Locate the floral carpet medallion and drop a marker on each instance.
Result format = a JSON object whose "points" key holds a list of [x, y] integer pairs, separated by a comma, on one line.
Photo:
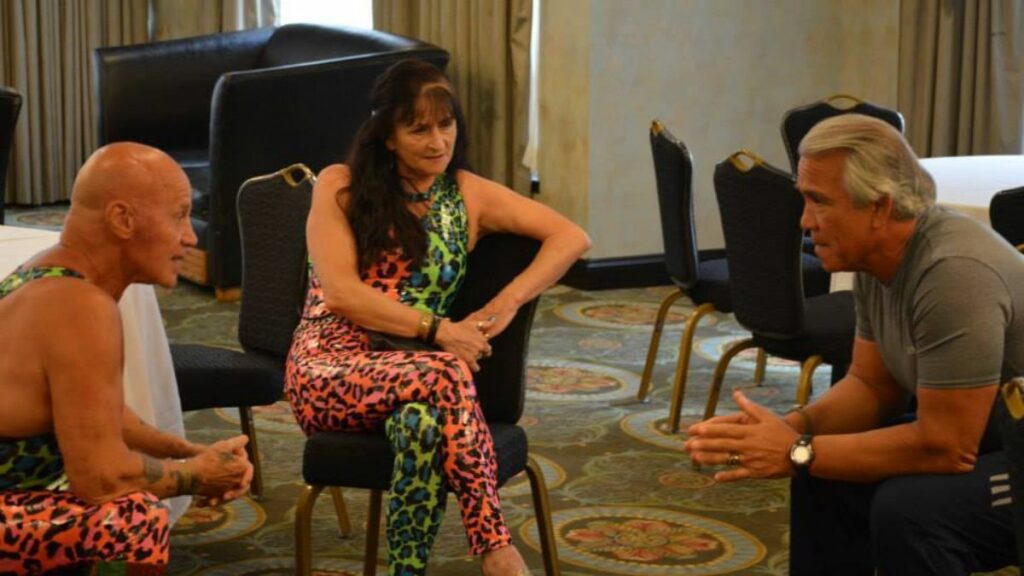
{"points": [[219, 523], [649, 541], [623, 314], [567, 380]]}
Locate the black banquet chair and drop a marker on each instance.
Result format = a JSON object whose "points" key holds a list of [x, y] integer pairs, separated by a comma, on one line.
{"points": [[704, 281], [272, 278], [234, 105], [10, 107], [365, 460], [760, 210], [796, 123], [1006, 212]]}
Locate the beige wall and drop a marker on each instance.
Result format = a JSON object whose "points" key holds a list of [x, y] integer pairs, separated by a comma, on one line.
{"points": [[718, 73]]}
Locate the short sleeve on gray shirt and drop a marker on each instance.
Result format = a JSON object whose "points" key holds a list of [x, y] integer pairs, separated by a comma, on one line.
{"points": [[947, 318]]}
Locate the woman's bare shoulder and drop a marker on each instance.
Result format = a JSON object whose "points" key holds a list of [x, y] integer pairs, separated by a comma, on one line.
{"points": [[335, 174]]}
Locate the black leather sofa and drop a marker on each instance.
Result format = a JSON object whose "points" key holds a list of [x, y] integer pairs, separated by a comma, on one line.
{"points": [[234, 105]]}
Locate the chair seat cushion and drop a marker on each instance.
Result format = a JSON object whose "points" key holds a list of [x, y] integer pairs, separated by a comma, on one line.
{"points": [[713, 284], [364, 459], [196, 164], [212, 377]]}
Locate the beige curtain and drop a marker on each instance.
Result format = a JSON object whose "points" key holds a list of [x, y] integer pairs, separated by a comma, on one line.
{"points": [[45, 49], [46, 54], [961, 86], [183, 18], [489, 43]]}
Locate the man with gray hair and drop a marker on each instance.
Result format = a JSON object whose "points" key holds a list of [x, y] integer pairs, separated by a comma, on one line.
{"points": [[940, 322]]}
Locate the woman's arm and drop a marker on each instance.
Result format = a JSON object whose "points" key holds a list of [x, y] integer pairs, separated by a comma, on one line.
{"points": [[332, 247], [494, 208]]}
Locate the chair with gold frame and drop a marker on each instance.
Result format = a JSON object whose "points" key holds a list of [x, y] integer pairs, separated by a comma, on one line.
{"points": [[796, 123], [364, 460], [760, 210]]}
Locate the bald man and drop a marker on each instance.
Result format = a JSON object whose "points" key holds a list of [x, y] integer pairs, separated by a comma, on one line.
{"points": [[81, 476]]}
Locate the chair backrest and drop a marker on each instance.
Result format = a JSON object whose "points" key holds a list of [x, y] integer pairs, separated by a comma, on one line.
{"points": [[501, 382], [797, 122], [760, 210], [10, 107], [1006, 211], [305, 43], [272, 213], [673, 173]]}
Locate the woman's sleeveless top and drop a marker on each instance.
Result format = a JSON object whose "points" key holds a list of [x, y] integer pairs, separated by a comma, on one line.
{"points": [[430, 285]]}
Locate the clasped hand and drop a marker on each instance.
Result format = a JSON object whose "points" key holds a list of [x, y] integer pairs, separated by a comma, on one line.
{"points": [[222, 471], [754, 443]]}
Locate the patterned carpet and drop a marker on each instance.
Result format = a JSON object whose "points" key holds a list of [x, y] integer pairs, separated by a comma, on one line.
{"points": [[625, 498]]}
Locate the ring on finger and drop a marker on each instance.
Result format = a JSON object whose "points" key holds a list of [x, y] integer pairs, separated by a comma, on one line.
{"points": [[480, 325], [733, 460]]}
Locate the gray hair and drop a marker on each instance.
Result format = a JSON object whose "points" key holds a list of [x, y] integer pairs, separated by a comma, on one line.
{"points": [[878, 162]]}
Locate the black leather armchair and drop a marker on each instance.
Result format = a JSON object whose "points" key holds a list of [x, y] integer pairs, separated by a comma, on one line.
{"points": [[231, 106], [10, 106]]}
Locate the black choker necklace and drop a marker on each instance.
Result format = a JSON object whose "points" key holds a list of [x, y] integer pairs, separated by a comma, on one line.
{"points": [[416, 195]]}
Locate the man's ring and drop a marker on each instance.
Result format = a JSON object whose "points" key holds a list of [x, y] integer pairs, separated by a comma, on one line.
{"points": [[480, 325], [734, 460]]}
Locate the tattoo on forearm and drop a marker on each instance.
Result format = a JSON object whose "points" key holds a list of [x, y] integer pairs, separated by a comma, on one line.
{"points": [[152, 469]]}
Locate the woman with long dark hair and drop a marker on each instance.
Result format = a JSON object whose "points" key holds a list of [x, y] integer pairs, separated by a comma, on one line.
{"points": [[388, 237]]}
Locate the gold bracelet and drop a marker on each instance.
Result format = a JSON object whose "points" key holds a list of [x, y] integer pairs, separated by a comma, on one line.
{"points": [[423, 328]]}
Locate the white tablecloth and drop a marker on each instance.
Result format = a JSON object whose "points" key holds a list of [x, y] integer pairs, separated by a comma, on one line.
{"points": [[149, 385], [965, 184]]}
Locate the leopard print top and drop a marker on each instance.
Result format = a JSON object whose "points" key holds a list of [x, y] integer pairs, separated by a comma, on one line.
{"points": [[34, 462], [430, 285]]}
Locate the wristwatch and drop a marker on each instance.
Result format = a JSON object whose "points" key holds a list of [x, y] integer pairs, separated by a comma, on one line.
{"points": [[801, 454]]}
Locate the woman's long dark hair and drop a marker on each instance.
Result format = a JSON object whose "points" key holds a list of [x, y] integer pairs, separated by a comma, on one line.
{"points": [[377, 209]]}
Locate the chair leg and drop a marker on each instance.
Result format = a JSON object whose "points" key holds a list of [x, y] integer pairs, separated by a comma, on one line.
{"points": [[303, 530], [542, 509], [249, 429], [652, 348], [344, 526], [720, 368], [803, 387], [683, 365], [372, 533], [762, 360]]}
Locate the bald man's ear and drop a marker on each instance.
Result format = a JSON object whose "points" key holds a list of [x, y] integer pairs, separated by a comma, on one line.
{"points": [[120, 218]]}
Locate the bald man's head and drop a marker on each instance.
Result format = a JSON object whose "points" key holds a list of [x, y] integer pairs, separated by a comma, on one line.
{"points": [[131, 202], [125, 171]]}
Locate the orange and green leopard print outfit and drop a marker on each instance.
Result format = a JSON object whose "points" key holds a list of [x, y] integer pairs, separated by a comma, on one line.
{"points": [[335, 382], [44, 528]]}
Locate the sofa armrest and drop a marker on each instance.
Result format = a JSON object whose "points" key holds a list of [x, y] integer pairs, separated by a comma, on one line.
{"points": [[159, 93], [314, 108]]}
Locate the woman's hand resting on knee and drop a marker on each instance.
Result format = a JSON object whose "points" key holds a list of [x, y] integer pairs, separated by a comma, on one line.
{"points": [[464, 340]]}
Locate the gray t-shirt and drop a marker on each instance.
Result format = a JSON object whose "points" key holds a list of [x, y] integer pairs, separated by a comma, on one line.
{"points": [[953, 315]]}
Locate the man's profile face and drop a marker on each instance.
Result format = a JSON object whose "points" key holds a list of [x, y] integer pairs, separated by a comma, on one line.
{"points": [[839, 229], [165, 228]]}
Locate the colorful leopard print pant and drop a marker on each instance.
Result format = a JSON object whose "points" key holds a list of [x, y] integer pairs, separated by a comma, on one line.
{"points": [[357, 390], [44, 531], [416, 502]]}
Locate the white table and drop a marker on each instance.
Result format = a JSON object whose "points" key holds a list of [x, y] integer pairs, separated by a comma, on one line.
{"points": [[965, 184], [149, 384]]}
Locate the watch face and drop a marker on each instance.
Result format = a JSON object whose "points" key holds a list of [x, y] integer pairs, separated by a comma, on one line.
{"points": [[800, 455]]}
